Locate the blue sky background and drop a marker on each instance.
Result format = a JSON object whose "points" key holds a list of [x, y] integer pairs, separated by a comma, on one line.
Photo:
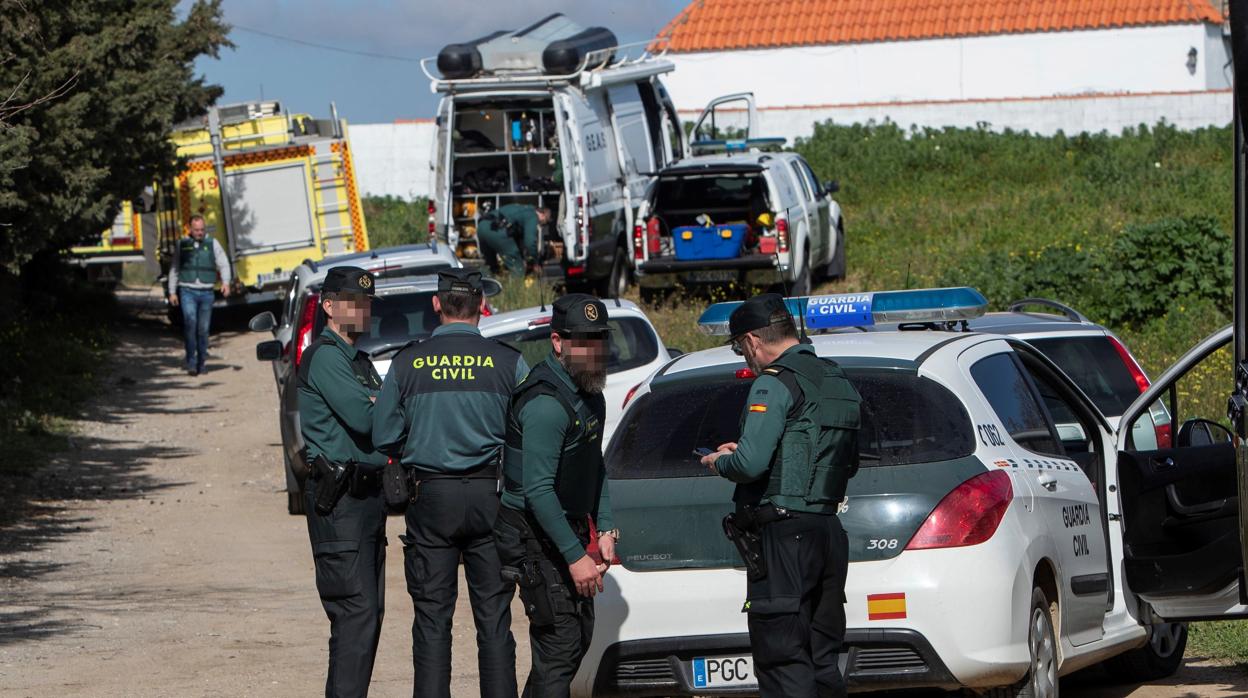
{"points": [[369, 89]]}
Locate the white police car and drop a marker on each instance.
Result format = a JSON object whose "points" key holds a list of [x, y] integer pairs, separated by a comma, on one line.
{"points": [[988, 551]]}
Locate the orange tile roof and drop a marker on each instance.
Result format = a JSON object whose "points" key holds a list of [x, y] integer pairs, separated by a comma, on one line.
{"points": [[714, 25]]}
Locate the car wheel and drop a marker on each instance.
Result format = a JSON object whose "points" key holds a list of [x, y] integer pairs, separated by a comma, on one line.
{"points": [[836, 268], [801, 284], [1041, 678], [1158, 659], [294, 503], [616, 284]]}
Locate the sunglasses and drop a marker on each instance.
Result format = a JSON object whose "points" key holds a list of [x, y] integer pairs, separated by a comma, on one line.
{"points": [[736, 346]]}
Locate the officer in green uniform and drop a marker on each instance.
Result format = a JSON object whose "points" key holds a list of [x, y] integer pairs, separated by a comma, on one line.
{"points": [[555, 491], [442, 412], [511, 231], [798, 449], [337, 387]]}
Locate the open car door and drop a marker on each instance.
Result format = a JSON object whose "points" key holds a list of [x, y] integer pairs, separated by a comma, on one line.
{"points": [[719, 122], [1180, 500]]}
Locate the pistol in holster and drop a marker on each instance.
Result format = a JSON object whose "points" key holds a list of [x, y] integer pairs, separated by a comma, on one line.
{"points": [[748, 540], [332, 481]]}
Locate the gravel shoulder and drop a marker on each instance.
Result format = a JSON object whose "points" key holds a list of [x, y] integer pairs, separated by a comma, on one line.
{"points": [[154, 556]]}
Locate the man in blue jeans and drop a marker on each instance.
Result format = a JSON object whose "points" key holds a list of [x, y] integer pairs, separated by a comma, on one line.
{"points": [[198, 262]]}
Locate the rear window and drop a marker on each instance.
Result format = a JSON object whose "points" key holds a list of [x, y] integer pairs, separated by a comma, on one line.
{"points": [[1094, 365], [397, 319], [906, 419], [718, 193], [632, 344]]}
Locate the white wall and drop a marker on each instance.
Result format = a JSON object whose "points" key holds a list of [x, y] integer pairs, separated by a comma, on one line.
{"points": [[1042, 115], [393, 159], [1137, 59]]}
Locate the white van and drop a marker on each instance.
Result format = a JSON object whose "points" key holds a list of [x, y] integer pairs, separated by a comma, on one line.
{"points": [[559, 116]]}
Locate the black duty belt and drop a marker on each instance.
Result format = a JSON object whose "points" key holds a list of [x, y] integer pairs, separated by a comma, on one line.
{"points": [[489, 471], [755, 515]]}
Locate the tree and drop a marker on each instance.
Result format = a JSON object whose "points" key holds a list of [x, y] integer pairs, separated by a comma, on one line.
{"points": [[89, 92]]}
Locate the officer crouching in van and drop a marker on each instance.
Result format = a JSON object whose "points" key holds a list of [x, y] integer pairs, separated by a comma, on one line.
{"points": [[798, 449], [555, 491], [442, 412], [346, 517]]}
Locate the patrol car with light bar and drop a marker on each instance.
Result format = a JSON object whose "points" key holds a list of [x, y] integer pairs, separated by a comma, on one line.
{"points": [[988, 550]]}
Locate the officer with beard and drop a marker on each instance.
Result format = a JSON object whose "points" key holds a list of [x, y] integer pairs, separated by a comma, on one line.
{"points": [[798, 449], [555, 491], [346, 516]]}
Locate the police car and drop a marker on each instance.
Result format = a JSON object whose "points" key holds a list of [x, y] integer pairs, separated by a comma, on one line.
{"points": [[988, 550], [635, 346]]}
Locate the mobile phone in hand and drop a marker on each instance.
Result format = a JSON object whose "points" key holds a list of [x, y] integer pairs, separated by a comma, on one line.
{"points": [[702, 452]]}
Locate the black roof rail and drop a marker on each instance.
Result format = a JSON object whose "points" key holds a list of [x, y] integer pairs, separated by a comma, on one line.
{"points": [[1070, 313], [311, 264]]}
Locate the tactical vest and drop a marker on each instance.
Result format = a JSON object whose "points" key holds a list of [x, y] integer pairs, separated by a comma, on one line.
{"points": [[196, 264], [578, 478], [361, 366], [818, 451]]}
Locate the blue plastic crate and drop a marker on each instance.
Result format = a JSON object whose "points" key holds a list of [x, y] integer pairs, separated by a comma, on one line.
{"points": [[709, 242]]}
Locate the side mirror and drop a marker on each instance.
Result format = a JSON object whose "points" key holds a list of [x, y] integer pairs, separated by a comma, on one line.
{"points": [[270, 350], [1202, 432], [831, 186], [673, 352], [264, 322], [491, 287]]}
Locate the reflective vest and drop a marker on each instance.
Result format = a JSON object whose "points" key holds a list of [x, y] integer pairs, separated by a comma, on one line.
{"points": [[577, 482], [818, 451], [196, 264]]}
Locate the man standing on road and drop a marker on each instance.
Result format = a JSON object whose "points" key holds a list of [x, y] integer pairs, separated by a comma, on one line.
{"points": [[442, 412], [555, 489], [798, 449], [197, 265], [511, 231], [346, 516]]}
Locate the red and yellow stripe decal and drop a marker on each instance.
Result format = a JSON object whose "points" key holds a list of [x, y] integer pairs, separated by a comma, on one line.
{"points": [[758, 408], [886, 606]]}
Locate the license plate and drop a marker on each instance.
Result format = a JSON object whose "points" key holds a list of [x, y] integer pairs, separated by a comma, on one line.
{"points": [[712, 276], [723, 672], [269, 277]]}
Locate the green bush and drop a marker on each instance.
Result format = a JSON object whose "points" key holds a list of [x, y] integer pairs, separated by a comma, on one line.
{"points": [[392, 221], [1153, 266]]}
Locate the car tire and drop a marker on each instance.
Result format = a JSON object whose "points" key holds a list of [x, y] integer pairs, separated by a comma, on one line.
{"points": [[1159, 658], [1041, 679], [801, 283], [294, 503], [836, 268], [616, 283]]}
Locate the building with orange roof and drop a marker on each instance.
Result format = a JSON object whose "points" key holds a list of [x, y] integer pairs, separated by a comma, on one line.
{"points": [[1041, 65]]}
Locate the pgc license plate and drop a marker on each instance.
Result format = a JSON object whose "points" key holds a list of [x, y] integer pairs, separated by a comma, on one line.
{"points": [[724, 672], [710, 276]]}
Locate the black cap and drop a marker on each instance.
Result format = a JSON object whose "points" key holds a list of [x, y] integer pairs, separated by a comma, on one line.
{"points": [[756, 313], [578, 313], [349, 280], [459, 280]]}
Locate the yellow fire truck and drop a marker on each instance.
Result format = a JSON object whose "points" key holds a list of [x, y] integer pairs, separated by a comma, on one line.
{"points": [[273, 188], [122, 242]]}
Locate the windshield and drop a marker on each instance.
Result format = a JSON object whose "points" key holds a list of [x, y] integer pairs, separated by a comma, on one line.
{"points": [[906, 419], [397, 319], [1095, 366], [632, 344]]}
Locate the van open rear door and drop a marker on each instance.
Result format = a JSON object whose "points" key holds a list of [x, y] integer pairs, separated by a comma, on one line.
{"points": [[726, 116]]}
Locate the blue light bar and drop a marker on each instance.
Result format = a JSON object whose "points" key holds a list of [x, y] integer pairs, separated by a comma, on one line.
{"points": [[866, 309], [736, 145]]}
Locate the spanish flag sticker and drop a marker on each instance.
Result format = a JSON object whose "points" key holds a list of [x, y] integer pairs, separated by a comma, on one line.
{"points": [[886, 606], [758, 408]]}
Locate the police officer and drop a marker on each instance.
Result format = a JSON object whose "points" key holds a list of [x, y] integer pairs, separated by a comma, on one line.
{"points": [[337, 386], [443, 412], [511, 231], [554, 486], [798, 448]]}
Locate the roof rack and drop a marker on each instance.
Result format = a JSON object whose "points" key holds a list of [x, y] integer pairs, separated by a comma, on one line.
{"points": [[583, 73], [1069, 312]]}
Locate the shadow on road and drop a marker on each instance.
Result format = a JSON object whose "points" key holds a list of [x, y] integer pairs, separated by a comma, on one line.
{"points": [[112, 457]]}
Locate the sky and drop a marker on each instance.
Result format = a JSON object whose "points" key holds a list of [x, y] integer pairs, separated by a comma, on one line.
{"points": [[375, 89]]}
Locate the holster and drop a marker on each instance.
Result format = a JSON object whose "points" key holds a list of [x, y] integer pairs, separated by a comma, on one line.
{"points": [[332, 481], [395, 487], [541, 599], [749, 546]]}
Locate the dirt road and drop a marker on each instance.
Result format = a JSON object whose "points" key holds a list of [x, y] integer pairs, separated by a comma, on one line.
{"points": [[155, 557]]}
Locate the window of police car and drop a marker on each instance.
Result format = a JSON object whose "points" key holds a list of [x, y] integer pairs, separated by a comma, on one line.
{"points": [[397, 319], [1095, 366], [632, 344], [907, 419], [1010, 394]]}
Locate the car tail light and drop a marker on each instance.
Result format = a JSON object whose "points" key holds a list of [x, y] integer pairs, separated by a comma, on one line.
{"points": [[576, 271], [631, 392], [304, 338], [652, 236], [486, 309], [639, 249], [1163, 431], [782, 234], [968, 515], [433, 209], [745, 373], [540, 321]]}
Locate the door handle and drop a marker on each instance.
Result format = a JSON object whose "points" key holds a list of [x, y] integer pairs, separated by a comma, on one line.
{"points": [[1047, 481]]}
